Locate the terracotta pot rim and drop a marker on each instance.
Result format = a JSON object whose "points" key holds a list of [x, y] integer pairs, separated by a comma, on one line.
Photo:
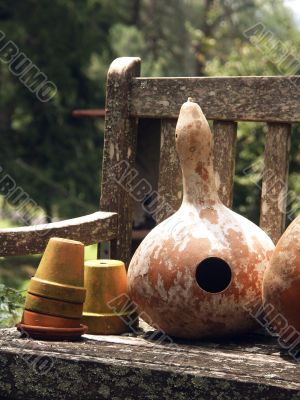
{"points": [[106, 325], [43, 331], [51, 328], [58, 308], [51, 298], [104, 315], [50, 315], [62, 285], [56, 291], [39, 319]]}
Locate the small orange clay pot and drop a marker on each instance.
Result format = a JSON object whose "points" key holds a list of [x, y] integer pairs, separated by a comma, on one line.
{"points": [[107, 306], [54, 302], [53, 307], [36, 319], [281, 285], [60, 273], [195, 274]]}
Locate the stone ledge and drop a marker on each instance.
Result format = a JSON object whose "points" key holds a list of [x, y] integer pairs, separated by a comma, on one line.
{"points": [[144, 367]]}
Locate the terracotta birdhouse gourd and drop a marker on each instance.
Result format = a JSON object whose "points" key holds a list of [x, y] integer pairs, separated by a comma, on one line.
{"points": [[196, 273], [281, 285]]}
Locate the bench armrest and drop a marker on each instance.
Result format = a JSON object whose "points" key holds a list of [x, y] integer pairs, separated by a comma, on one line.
{"points": [[89, 229]]}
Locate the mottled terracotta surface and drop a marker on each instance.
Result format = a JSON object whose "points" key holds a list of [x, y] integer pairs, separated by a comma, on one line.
{"points": [[161, 274], [62, 263], [281, 285], [53, 307], [57, 291], [104, 280], [36, 319], [106, 309]]}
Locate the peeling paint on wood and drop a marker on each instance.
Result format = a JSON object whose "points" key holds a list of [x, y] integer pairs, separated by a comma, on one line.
{"points": [[119, 145], [224, 158], [235, 98], [170, 177], [275, 180]]}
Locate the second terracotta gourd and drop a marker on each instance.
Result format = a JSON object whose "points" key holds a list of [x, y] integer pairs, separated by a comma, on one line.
{"points": [[196, 273], [281, 285]]}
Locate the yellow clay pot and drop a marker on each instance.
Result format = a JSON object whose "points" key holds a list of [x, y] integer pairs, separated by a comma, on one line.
{"points": [[107, 308], [60, 273]]}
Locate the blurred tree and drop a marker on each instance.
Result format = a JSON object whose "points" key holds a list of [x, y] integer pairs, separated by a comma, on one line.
{"points": [[54, 157]]}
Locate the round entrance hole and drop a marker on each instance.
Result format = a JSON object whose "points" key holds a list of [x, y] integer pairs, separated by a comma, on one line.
{"points": [[213, 275]]}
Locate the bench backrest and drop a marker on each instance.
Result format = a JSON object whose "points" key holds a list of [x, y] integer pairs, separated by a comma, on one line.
{"points": [[225, 100]]}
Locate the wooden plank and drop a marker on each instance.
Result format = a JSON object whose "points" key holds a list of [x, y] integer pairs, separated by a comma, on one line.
{"points": [[119, 151], [250, 98], [33, 239], [108, 367], [170, 177], [224, 158], [275, 180]]}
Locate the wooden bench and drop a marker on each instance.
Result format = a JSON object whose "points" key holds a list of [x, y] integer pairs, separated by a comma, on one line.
{"points": [[141, 366]]}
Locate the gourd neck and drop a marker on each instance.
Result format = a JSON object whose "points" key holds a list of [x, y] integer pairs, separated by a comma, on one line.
{"points": [[200, 190], [194, 145]]}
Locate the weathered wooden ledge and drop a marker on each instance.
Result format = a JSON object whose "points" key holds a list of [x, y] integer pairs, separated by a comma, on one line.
{"points": [[89, 229], [127, 367]]}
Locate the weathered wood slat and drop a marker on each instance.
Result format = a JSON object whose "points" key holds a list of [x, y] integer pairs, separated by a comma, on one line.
{"points": [[275, 180], [170, 178], [249, 98], [224, 158], [118, 367], [119, 151], [33, 239]]}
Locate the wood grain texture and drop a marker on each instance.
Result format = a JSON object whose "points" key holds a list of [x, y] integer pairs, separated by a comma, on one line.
{"points": [[170, 177], [145, 367], [119, 151], [275, 180], [224, 158], [33, 239], [252, 98]]}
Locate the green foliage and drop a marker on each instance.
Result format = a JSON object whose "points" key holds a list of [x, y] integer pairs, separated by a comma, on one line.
{"points": [[11, 305], [53, 156]]}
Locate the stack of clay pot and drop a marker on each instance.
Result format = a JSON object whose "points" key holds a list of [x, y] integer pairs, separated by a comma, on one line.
{"points": [[107, 308], [54, 303]]}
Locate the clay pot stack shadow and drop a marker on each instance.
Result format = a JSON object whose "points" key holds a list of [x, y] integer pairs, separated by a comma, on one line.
{"points": [[54, 302]]}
